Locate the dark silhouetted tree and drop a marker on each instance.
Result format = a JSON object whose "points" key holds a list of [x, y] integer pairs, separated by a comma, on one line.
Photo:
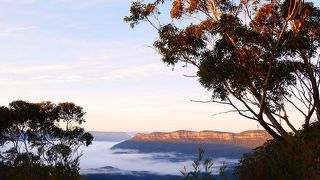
{"points": [[42, 140], [260, 58]]}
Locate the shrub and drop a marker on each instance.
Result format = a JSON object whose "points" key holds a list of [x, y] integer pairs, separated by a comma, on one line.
{"points": [[297, 159]]}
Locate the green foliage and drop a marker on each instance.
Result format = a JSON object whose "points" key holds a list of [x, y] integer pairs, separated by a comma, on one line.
{"points": [[223, 171], [43, 140], [299, 159], [202, 168], [255, 56]]}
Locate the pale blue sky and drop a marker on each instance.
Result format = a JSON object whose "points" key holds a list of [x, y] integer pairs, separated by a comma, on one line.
{"points": [[82, 51]]}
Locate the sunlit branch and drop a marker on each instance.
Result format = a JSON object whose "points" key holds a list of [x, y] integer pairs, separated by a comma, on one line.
{"points": [[210, 101], [190, 76]]}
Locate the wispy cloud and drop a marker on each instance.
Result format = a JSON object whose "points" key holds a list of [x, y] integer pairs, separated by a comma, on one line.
{"points": [[18, 1], [78, 4], [89, 3], [31, 69], [132, 72], [38, 74], [82, 71], [9, 30]]}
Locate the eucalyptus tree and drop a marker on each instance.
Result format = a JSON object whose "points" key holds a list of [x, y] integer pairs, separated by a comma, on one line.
{"points": [[44, 136], [258, 57]]}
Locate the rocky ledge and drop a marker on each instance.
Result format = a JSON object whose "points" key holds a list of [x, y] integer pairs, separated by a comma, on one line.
{"points": [[248, 139]]}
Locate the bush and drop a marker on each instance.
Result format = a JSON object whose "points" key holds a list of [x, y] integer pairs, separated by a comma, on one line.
{"points": [[298, 159], [198, 165]]}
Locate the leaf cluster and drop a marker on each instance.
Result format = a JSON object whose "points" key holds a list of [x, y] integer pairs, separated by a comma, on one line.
{"points": [[42, 134], [202, 168], [263, 54], [224, 63]]}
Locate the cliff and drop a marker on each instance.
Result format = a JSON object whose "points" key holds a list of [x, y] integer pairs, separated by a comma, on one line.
{"points": [[216, 144], [248, 139]]}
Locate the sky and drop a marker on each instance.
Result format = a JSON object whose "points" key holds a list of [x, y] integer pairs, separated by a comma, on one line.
{"points": [[83, 52]]}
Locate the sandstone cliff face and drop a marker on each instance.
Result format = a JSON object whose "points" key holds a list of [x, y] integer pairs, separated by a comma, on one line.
{"points": [[248, 139]]}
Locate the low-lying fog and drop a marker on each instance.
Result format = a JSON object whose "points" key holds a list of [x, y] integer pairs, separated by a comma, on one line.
{"points": [[99, 155]]}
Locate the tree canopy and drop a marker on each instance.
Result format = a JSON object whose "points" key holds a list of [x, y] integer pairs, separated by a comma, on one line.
{"points": [[263, 54], [41, 136]]}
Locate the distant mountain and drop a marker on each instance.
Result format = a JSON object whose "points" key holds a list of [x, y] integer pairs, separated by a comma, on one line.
{"points": [[216, 144], [247, 139], [110, 136]]}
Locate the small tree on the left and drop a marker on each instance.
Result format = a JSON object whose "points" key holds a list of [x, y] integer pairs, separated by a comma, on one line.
{"points": [[41, 140]]}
